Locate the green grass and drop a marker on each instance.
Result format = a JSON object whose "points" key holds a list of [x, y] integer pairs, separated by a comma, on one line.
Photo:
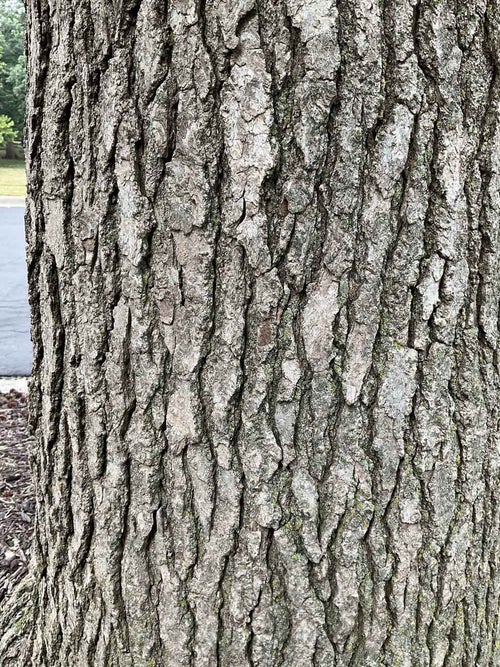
{"points": [[12, 178]]}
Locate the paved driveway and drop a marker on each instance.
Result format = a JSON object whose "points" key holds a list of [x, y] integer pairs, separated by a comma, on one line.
{"points": [[15, 345]]}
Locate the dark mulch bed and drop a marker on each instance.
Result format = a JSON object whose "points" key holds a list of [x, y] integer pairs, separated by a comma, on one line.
{"points": [[16, 492]]}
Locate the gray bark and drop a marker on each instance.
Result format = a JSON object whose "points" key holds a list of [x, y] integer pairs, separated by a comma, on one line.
{"points": [[263, 258]]}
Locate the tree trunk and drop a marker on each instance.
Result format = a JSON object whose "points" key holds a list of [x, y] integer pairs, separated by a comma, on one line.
{"points": [[264, 276], [12, 151]]}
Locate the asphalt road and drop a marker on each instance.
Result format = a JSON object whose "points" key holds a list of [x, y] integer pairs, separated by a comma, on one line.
{"points": [[15, 345]]}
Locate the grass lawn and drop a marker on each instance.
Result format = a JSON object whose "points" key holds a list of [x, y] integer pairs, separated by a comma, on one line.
{"points": [[12, 178]]}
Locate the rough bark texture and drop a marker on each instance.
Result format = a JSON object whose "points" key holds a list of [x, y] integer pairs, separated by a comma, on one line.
{"points": [[264, 274]]}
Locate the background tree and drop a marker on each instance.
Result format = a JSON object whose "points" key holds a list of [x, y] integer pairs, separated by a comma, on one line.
{"points": [[263, 265], [12, 62], [7, 132]]}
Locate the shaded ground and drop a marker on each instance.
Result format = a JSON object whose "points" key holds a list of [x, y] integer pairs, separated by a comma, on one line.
{"points": [[12, 178], [16, 493]]}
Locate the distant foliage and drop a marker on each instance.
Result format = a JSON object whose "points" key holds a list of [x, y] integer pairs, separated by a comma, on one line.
{"points": [[12, 62], [7, 130]]}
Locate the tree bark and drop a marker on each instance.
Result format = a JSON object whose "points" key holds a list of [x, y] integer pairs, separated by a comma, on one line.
{"points": [[264, 277]]}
